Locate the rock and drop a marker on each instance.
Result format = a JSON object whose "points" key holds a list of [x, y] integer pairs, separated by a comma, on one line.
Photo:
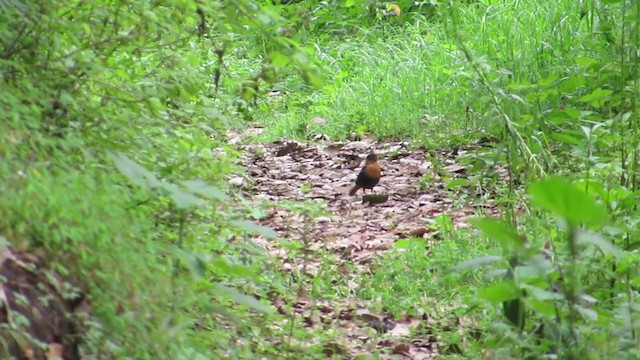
{"points": [[424, 168], [323, 219], [236, 181]]}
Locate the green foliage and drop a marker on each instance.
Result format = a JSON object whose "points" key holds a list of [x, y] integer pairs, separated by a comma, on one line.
{"points": [[92, 90], [559, 286], [115, 160]]}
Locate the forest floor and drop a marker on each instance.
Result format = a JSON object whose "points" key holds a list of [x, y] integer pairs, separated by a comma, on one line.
{"points": [[354, 233]]}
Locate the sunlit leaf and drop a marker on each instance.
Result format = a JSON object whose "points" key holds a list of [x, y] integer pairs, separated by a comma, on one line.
{"points": [[558, 196], [278, 59], [500, 292], [410, 243], [457, 183], [585, 62]]}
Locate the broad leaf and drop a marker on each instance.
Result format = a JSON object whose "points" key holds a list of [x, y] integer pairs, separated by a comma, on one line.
{"points": [[134, 172], [500, 292], [597, 240], [201, 188], [254, 228], [243, 299], [558, 196], [476, 262], [498, 230]]}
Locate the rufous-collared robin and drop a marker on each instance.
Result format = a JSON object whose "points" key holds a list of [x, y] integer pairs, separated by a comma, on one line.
{"points": [[369, 176]]}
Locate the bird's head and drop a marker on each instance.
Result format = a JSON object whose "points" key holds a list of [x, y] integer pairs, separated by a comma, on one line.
{"points": [[372, 158]]}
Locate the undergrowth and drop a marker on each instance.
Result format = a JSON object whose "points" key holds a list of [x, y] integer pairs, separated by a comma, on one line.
{"points": [[115, 160]]}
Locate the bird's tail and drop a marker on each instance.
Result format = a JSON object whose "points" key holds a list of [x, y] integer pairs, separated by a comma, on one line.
{"points": [[354, 190]]}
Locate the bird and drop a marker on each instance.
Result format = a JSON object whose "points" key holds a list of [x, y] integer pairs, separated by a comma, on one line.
{"points": [[368, 176]]}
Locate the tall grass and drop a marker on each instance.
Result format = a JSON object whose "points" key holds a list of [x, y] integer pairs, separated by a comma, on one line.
{"points": [[411, 81]]}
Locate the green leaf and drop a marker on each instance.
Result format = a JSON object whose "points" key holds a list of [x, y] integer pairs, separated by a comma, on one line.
{"points": [[527, 272], [222, 266], [254, 228], [573, 83], [503, 291], [457, 183], [201, 188], [193, 59], [410, 243], [585, 62], [498, 230], [496, 273], [196, 263], [597, 240], [243, 299], [278, 59], [566, 138], [587, 314], [573, 113], [561, 198], [476, 262], [183, 200], [541, 294], [134, 172], [543, 307], [596, 97]]}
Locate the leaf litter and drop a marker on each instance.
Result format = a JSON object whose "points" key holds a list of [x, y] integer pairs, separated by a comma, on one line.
{"points": [[354, 232]]}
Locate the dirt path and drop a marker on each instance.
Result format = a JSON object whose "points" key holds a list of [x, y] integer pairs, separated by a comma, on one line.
{"points": [[353, 231]]}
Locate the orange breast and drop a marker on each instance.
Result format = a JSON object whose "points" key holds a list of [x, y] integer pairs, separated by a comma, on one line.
{"points": [[372, 171]]}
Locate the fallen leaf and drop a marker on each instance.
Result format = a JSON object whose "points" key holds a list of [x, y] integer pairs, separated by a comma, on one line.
{"points": [[400, 330], [402, 349]]}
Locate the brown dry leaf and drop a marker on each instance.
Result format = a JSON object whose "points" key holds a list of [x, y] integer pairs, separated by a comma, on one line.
{"points": [[367, 317], [400, 330], [288, 148], [419, 232], [402, 349]]}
